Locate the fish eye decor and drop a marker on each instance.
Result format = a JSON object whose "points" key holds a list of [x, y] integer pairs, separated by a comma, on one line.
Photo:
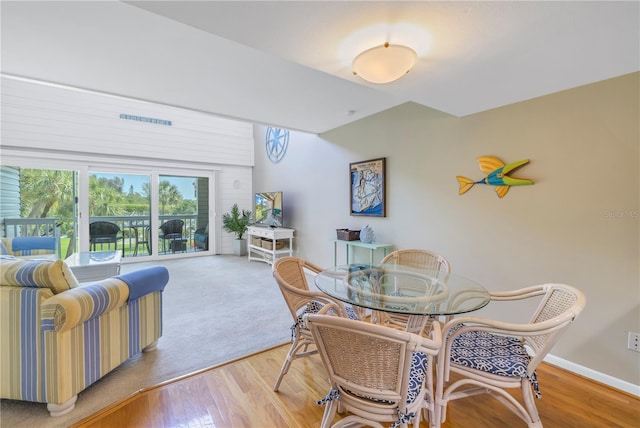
{"points": [[497, 175]]}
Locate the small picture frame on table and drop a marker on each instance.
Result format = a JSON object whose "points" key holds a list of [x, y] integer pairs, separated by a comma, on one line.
{"points": [[368, 187]]}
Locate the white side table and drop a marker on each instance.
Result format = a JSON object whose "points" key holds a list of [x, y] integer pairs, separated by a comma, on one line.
{"points": [[263, 241], [94, 265]]}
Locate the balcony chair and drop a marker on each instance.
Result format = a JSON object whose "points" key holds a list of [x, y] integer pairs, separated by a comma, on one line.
{"points": [[493, 356], [290, 274], [201, 238], [416, 258], [104, 232], [172, 233], [376, 373]]}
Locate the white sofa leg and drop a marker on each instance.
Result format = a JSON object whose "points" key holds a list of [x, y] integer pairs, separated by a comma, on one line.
{"points": [[152, 346], [62, 409]]}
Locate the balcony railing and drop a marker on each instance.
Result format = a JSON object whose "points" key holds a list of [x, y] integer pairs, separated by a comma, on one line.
{"points": [[135, 229], [31, 227], [14, 227], [135, 232]]}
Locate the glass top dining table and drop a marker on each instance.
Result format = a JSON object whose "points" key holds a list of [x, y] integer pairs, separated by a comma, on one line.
{"points": [[402, 289]]}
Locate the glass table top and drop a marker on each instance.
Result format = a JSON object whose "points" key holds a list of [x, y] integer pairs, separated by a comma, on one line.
{"points": [[402, 289], [93, 258]]}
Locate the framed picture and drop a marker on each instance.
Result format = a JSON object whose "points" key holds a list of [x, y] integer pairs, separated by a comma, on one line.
{"points": [[368, 180]]}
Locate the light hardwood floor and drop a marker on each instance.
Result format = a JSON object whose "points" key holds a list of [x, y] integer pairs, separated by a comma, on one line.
{"points": [[239, 394]]}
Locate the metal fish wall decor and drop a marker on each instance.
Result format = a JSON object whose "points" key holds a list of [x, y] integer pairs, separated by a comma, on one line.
{"points": [[497, 175]]}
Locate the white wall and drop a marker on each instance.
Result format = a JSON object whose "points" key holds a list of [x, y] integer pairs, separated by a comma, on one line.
{"points": [[43, 124], [578, 224]]}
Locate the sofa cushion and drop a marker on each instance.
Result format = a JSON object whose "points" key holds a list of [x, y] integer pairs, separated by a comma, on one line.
{"points": [[54, 275], [30, 245]]}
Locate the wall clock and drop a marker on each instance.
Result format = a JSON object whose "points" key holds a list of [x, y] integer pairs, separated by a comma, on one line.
{"points": [[276, 143]]}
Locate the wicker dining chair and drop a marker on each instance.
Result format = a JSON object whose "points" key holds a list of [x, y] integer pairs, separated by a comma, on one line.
{"points": [[415, 258], [494, 356], [376, 373], [290, 274]]}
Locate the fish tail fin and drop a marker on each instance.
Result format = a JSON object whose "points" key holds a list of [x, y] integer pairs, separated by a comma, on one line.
{"points": [[465, 184]]}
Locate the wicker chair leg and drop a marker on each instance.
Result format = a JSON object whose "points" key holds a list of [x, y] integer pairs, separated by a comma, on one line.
{"points": [[285, 365], [329, 413], [530, 405], [292, 355]]}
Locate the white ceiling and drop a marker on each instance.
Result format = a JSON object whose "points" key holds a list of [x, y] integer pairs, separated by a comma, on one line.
{"points": [[287, 63]]}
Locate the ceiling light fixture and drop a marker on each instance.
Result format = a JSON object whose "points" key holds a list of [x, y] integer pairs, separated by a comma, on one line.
{"points": [[384, 64]]}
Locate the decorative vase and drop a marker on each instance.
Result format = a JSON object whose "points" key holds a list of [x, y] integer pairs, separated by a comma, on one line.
{"points": [[366, 235]]}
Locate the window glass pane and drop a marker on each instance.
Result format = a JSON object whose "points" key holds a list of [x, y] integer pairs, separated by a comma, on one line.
{"points": [[119, 213], [183, 208], [38, 202]]}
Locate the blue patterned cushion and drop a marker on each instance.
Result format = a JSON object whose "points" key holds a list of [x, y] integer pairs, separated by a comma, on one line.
{"points": [[492, 353], [315, 307], [419, 366]]}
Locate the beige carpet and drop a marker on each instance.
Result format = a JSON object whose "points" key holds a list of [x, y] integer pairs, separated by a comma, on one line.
{"points": [[216, 308]]}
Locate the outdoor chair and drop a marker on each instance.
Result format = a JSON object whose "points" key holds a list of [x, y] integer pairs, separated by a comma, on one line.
{"points": [[415, 258], [494, 356], [103, 232], [201, 238], [172, 233], [376, 373], [290, 274]]}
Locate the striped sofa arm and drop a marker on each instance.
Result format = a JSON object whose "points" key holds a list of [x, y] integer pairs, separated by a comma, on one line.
{"points": [[146, 280], [73, 307]]}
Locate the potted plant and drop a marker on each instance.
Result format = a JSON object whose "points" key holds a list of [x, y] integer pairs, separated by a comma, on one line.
{"points": [[236, 222]]}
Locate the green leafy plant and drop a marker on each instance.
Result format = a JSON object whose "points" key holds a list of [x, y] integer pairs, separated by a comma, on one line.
{"points": [[236, 221]]}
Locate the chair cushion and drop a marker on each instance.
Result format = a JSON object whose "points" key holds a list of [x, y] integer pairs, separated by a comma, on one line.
{"points": [[492, 353], [54, 275], [419, 367], [314, 307]]}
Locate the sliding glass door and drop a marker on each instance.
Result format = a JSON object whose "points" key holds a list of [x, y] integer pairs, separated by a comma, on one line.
{"points": [[147, 214], [127, 201]]}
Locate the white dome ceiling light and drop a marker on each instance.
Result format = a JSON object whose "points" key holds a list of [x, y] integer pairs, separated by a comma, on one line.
{"points": [[384, 64]]}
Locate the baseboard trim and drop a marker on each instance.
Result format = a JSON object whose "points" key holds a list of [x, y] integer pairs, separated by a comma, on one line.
{"points": [[611, 381]]}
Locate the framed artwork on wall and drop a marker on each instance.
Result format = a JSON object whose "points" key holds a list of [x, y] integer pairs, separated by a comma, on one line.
{"points": [[368, 194]]}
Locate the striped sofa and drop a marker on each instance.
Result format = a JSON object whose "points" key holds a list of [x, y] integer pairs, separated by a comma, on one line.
{"points": [[58, 337]]}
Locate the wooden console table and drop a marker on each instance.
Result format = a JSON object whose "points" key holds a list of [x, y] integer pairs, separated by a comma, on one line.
{"points": [[263, 242], [372, 247]]}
